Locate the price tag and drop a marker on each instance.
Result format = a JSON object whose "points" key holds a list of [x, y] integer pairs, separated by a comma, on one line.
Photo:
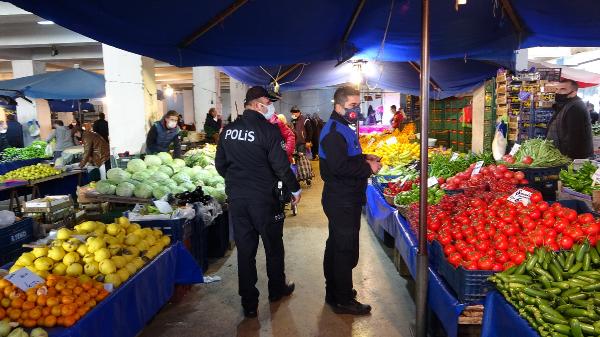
{"points": [[454, 156], [596, 176], [163, 206], [514, 149], [109, 287], [24, 279], [477, 168], [414, 166], [432, 181], [521, 196]]}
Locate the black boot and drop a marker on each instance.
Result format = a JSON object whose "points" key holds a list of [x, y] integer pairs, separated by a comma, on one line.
{"points": [[287, 290], [250, 312], [329, 299], [352, 308]]}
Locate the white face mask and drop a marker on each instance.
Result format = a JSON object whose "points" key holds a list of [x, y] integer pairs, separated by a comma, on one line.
{"points": [[270, 110], [171, 124]]}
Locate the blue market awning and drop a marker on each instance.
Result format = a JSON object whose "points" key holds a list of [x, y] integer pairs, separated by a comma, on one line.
{"points": [[273, 32], [70, 106], [66, 84], [448, 77]]}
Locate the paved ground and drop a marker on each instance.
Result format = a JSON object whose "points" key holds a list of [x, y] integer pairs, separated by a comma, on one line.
{"points": [[214, 309]]}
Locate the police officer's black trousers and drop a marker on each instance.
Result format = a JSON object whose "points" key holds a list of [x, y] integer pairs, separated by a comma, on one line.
{"points": [[251, 219], [341, 250]]}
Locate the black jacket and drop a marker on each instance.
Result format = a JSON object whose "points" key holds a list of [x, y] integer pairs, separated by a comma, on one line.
{"points": [[251, 157], [101, 127], [571, 130], [14, 134], [345, 176]]}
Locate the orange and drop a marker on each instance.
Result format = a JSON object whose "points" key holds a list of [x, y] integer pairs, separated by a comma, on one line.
{"points": [[60, 285], [4, 283], [67, 291], [69, 321], [93, 292], [68, 299], [82, 311], [55, 310], [49, 321], [29, 323], [67, 310], [51, 283], [86, 297], [16, 303], [102, 295], [24, 315], [46, 311], [32, 298], [28, 305], [51, 292], [35, 313], [52, 301], [41, 300], [2, 313], [40, 321], [77, 290], [91, 303], [87, 285], [60, 320], [80, 302], [72, 283], [99, 286]]}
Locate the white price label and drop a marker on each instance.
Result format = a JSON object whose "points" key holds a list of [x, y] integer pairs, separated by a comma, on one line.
{"points": [[477, 168], [24, 279], [404, 180], [521, 196], [454, 156], [432, 181], [109, 287], [514, 149], [596, 176]]}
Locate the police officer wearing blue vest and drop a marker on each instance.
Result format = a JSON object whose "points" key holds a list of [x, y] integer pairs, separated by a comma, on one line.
{"points": [[164, 133], [251, 157], [345, 170]]}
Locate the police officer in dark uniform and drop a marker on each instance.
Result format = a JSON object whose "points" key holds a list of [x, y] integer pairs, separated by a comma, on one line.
{"points": [[345, 171], [251, 157]]}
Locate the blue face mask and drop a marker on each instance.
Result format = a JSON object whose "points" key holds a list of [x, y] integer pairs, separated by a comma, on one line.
{"points": [[352, 114]]}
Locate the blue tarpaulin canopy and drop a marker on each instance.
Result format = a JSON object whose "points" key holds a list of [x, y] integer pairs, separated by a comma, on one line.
{"points": [[274, 32], [66, 84], [70, 105], [448, 77]]}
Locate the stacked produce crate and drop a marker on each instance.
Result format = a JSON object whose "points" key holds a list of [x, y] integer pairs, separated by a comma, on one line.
{"points": [[413, 107], [460, 133], [437, 128], [489, 118]]}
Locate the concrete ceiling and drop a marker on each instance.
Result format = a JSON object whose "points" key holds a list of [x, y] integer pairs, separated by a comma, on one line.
{"points": [[22, 38]]}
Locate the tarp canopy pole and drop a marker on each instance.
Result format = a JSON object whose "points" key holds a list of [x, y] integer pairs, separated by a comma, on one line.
{"points": [[422, 262], [431, 80], [213, 22]]}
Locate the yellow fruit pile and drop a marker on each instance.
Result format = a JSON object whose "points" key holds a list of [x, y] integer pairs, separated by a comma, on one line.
{"points": [[31, 172], [111, 253]]}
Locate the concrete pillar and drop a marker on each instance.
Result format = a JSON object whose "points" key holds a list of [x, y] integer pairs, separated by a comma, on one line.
{"points": [[161, 105], [237, 94], [478, 116], [522, 59], [39, 109], [206, 93], [130, 105], [188, 106]]}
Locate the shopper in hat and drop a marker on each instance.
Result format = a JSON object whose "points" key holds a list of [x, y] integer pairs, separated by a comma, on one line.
{"points": [[163, 134], [570, 127], [345, 170], [251, 157], [302, 129]]}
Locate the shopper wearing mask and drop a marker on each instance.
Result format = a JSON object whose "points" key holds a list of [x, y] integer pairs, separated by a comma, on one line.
{"points": [[164, 133], [345, 170], [302, 129], [570, 128], [63, 137], [251, 157]]}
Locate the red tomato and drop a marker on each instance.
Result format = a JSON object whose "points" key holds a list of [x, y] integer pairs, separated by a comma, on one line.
{"points": [[542, 206], [518, 258], [474, 256], [455, 259], [508, 175], [519, 175], [444, 239], [527, 160], [497, 267], [502, 256], [536, 197], [483, 245], [470, 265], [501, 244], [565, 241], [591, 228], [502, 168], [524, 182], [508, 264], [441, 180], [485, 263], [449, 249], [585, 218], [431, 236], [570, 214]]}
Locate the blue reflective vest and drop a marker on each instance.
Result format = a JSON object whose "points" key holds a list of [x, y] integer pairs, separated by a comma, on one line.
{"points": [[353, 146]]}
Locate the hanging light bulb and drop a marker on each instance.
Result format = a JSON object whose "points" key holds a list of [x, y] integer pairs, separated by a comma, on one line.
{"points": [[169, 91], [461, 2], [356, 76]]}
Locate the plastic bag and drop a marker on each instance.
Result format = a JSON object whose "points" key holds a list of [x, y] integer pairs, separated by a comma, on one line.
{"points": [[499, 143], [34, 128], [49, 152], [7, 218]]}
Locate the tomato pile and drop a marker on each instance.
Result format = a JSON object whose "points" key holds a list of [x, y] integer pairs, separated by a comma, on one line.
{"points": [[488, 232], [394, 188], [497, 178]]}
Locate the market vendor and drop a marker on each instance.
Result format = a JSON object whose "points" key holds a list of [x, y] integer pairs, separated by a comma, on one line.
{"points": [[63, 137], [164, 133], [96, 151], [212, 125], [570, 127]]}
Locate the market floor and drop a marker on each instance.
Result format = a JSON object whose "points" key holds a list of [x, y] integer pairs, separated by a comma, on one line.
{"points": [[214, 309]]}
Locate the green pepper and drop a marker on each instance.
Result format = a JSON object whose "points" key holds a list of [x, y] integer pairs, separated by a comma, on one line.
{"points": [[576, 328]]}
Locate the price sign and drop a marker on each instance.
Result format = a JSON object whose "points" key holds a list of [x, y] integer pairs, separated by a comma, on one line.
{"points": [[514, 149], [521, 196], [596, 176], [414, 166], [454, 156], [24, 279], [109, 287], [477, 168], [432, 181]]}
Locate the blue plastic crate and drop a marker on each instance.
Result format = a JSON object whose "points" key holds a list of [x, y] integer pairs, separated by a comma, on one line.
{"points": [[177, 229], [469, 285], [18, 233]]}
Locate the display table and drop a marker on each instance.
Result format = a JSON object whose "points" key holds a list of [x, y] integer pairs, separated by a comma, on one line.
{"points": [[384, 218], [130, 307], [500, 319], [61, 184]]}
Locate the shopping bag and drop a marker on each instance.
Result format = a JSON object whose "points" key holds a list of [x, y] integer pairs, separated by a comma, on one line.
{"points": [[49, 152], [305, 171]]}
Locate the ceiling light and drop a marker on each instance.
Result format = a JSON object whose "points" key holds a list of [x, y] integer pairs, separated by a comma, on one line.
{"points": [[45, 22], [169, 91], [461, 2]]}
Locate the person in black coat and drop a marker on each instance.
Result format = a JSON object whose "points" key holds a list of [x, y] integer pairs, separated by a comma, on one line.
{"points": [[101, 126], [14, 133], [570, 127], [593, 114]]}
